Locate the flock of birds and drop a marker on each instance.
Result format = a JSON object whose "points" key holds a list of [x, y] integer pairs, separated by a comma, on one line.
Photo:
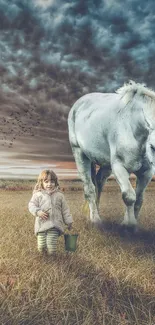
{"points": [[18, 124]]}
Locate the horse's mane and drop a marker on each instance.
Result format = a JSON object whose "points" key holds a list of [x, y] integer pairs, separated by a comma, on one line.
{"points": [[132, 89]]}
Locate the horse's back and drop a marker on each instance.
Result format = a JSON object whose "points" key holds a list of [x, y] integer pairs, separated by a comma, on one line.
{"points": [[98, 102], [91, 120], [93, 112]]}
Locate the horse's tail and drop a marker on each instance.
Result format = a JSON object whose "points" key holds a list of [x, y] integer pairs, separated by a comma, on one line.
{"points": [[71, 127]]}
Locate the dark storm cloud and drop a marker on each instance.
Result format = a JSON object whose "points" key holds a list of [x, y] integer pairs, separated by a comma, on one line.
{"points": [[110, 39], [94, 37], [52, 52]]}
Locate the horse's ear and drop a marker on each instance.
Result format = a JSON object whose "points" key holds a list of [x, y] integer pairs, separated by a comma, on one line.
{"points": [[149, 113]]}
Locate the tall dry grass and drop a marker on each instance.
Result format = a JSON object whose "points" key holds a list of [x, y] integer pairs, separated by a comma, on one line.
{"points": [[110, 279]]}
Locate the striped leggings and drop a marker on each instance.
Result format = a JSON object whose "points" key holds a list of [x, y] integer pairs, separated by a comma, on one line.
{"points": [[47, 240]]}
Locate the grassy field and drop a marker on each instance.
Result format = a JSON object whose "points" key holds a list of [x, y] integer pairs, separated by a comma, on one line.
{"points": [[110, 279]]}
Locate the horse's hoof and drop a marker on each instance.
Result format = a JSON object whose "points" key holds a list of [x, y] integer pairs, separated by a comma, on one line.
{"points": [[98, 224], [133, 229], [128, 228]]}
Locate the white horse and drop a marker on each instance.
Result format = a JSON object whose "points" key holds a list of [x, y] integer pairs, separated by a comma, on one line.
{"points": [[115, 131]]}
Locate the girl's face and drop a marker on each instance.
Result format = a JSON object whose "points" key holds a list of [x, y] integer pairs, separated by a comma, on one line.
{"points": [[48, 184]]}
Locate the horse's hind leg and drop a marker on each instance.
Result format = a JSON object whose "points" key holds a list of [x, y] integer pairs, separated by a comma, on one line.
{"points": [[143, 179], [84, 168], [93, 177], [128, 193]]}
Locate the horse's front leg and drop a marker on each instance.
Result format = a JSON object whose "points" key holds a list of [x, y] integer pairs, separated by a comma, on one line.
{"points": [[128, 193], [84, 168]]}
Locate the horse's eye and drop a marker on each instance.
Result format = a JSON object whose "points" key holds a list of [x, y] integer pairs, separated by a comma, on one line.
{"points": [[152, 147]]}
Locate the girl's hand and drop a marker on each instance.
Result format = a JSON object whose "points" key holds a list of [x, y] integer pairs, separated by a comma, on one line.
{"points": [[43, 215]]}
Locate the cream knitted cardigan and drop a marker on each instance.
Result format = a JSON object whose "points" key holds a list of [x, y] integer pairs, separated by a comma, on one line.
{"points": [[58, 210]]}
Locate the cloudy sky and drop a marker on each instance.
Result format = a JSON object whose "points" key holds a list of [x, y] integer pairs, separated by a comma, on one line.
{"points": [[51, 53]]}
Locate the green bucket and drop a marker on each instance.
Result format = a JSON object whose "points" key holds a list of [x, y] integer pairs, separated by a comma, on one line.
{"points": [[71, 242]]}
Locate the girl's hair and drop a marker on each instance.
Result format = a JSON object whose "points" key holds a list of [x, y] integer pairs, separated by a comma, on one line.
{"points": [[43, 176]]}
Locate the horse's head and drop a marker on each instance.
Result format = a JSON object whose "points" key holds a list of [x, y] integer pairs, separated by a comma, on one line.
{"points": [[139, 96]]}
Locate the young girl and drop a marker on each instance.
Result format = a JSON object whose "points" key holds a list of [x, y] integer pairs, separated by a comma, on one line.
{"points": [[49, 207]]}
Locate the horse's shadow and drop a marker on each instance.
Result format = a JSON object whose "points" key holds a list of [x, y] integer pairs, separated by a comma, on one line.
{"points": [[146, 238]]}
